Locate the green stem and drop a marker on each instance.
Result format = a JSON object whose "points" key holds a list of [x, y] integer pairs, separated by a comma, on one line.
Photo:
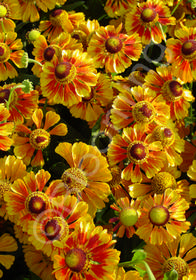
{"points": [[149, 271], [176, 7], [11, 93], [34, 61], [2, 25], [164, 37]]}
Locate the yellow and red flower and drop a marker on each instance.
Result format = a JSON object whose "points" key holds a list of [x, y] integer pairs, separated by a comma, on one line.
{"points": [[163, 217], [114, 50], [141, 106], [6, 129], [178, 254], [9, 11], [181, 53], [147, 19], [87, 176], [10, 51], [164, 83], [140, 154], [192, 175], [115, 8], [67, 80], [29, 142], [22, 105], [88, 254]]}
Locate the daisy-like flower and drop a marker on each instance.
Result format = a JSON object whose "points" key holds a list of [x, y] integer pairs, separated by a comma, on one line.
{"points": [[8, 12], [114, 50], [38, 263], [26, 199], [6, 129], [67, 80], [44, 51], [128, 215], [87, 176], [181, 53], [163, 217], [178, 254], [140, 154], [141, 106], [164, 83], [51, 228], [22, 105], [115, 8], [91, 108], [88, 254], [7, 244], [192, 175], [10, 51], [147, 19], [11, 169], [60, 21], [29, 142]]}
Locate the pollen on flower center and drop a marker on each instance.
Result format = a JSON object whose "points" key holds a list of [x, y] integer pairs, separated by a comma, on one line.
{"points": [[74, 179], [113, 44], [4, 95], [36, 202], [56, 229], [148, 15], [178, 264], [165, 135], [161, 181], [143, 112], [49, 53], [137, 152], [4, 52], [3, 11], [172, 90], [57, 17], [75, 259], [159, 215], [189, 49], [39, 139], [4, 186], [65, 72], [129, 217]]}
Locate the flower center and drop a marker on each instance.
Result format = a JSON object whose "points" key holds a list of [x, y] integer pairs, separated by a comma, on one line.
{"points": [[113, 44], [4, 187], [56, 229], [143, 112], [75, 259], [4, 52], [148, 15], [3, 11], [162, 181], [4, 95], [165, 135], [37, 202], [178, 264], [129, 217], [137, 152], [116, 176], [39, 139], [58, 18], [172, 90], [159, 215], [189, 49], [74, 179], [65, 72], [49, 53], [33, 35]]}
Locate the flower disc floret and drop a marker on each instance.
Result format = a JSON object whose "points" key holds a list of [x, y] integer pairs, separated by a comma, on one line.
{"points": [[49, 53], [137, 152], [4, 95], [56, 229], [165, 135], [129, 217], [162, 181], [4, 52], [178, 264], [65, 72], [39, 139], [189, 49], [172, 90], [159, 215], [75, 179], [75, 259], [113, 44], [36, 202], [143, 112], [149, 15]]}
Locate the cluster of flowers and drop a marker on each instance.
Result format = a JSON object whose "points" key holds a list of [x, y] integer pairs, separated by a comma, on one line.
{"points": [[147, 173]]}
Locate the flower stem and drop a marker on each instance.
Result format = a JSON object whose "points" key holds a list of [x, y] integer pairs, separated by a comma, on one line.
{"points": [[176, 7], [11, 93]]}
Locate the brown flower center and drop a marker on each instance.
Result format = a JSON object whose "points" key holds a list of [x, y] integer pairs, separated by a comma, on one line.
{"points": [[165, 135], [148, 15], [113, 44], [49, 53], [4, 52], [137, 152], [4, 95], [75, 259], [159, 215], [56, 229], [39, 139], [161, 181], [172, 90], [65, 72], [178, 264], [143, 112], [74, 179], [37, 202], [189, 49]]}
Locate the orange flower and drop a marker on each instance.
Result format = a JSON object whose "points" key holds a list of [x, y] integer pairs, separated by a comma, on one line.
{"points": [[114, 50], [147, 18], [8, 12], [68, 80], [88, 254], [163, 218], [6, 129], [29, 143], [139, 153], [10, 51], [21, 104], [115, 8], [164, 83], [181, 52]]}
